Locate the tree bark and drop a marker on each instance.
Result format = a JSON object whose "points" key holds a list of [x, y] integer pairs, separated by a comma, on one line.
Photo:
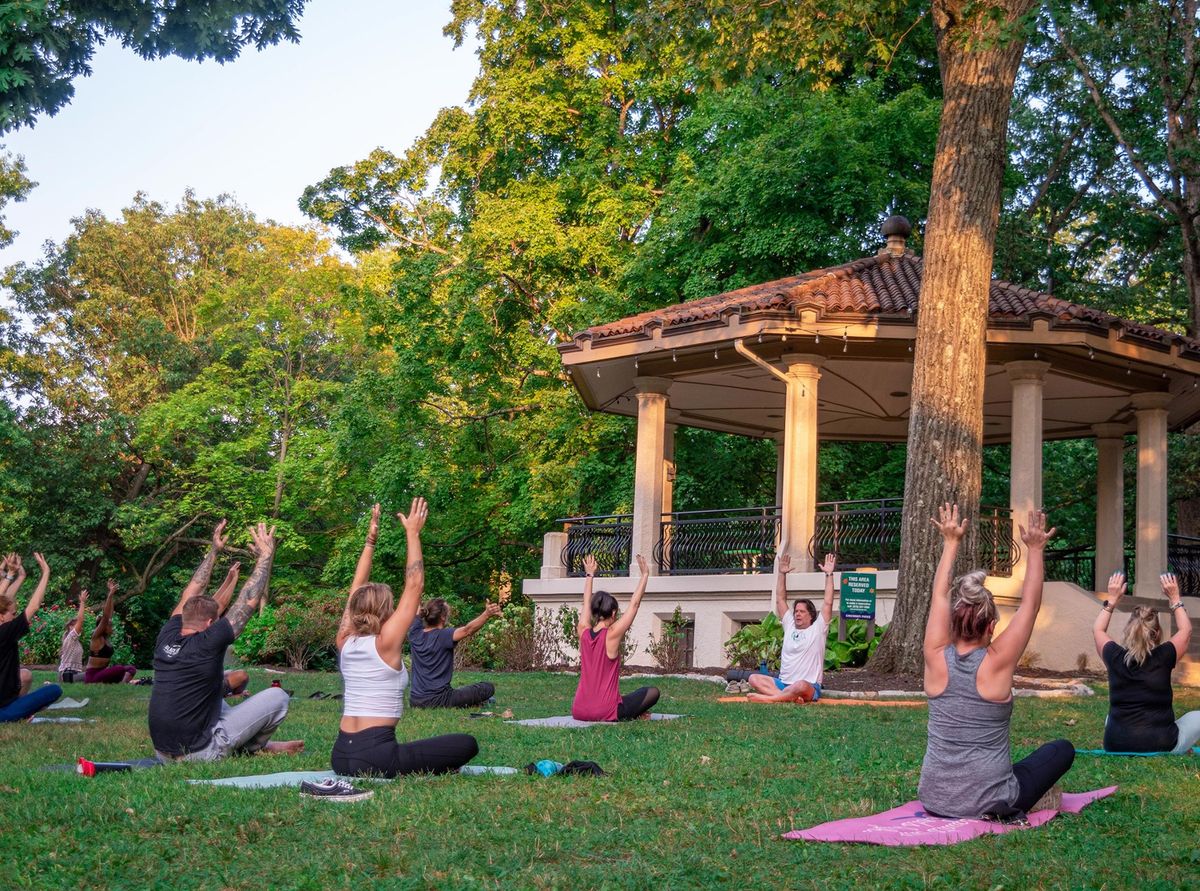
{"points": [[945, 430]]}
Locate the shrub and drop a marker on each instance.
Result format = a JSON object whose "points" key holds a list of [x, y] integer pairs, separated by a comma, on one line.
{"points": [[515, 641], [755, 644], [304, 635], [43, 644], [854, 650], [670, 648], [251, 645]]}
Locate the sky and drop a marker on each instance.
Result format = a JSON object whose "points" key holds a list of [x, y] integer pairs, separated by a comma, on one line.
{"points": [[366, 73]]}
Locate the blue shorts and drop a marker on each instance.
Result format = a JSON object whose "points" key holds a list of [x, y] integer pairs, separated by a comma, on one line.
{"points": [[780, 685]]}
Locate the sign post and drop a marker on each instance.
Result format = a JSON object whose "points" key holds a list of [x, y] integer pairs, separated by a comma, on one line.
{"points": [[857, 601]]}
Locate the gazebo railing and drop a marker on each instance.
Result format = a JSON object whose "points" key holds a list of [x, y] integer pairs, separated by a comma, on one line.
{"points": [[608, 536], [1183, 557], [739, 540], [867, 533]]}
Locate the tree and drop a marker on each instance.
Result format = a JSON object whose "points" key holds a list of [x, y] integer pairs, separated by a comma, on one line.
{"points": [[46, 44], [14, 186]]}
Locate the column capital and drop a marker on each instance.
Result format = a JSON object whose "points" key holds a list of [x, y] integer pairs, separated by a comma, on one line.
{"points": [[1150, 401], [1109, 431], [657, 385], [1026, 370], [803, 364]]}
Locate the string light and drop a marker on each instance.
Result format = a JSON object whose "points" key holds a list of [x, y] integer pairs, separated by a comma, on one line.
{"points": [[1091, 353]]}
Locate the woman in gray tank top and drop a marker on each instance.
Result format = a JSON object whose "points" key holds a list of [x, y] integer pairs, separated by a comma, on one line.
{"points": [[968, 769]]}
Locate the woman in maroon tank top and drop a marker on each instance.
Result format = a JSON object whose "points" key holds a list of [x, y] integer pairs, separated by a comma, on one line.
{"points": [[602, 630]]}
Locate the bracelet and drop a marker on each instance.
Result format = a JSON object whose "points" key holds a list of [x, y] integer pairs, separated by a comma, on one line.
{"points": [[1175, 605], [371, 541], [1107, 608], [9, 576], [829, 575]]}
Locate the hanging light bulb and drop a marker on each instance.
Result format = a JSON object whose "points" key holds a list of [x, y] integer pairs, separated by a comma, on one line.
{"points": [[1128, 371], [785, 338], [845, 339], [910, 347], [635, 363], [674, 358], [715, 352], [1091, 353], [760, 337], [597, 372], [1035, 354], [817, 339]]}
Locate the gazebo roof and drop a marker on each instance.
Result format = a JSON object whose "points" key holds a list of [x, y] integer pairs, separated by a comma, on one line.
{"points": [[884, 285], [859, 319]]}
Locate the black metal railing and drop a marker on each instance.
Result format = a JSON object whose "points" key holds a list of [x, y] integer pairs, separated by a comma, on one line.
{"points": [[867, 533], [1077, 565], [607, 537], [718, 541], [1183, 557]]}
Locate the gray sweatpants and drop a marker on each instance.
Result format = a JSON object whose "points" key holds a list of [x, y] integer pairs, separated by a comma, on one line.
{"points": [[245, 727]]}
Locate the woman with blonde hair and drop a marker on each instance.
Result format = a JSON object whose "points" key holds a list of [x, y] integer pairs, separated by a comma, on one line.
{"points": [[369, 643], [968, 769], [1140, 716]]}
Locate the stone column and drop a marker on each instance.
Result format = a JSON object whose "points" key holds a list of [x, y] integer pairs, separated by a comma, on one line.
{"points": [[1151, 545], [649, 469], [799, 502], [553, 545], [1025, 479], [1110, 501], [668, 499], [779, 440]]}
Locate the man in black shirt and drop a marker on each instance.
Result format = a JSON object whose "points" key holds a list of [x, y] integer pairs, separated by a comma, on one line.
{"points": [[188, 718]]}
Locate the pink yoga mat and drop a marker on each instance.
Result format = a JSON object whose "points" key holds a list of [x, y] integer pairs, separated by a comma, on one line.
{"points": [[910, 825]]}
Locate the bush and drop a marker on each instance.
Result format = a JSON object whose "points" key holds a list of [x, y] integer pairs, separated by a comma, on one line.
{"points": [[305, 635], [251, 645], [755, 644], [854, 650], [43, 644], [669, 649], [515, 641]]}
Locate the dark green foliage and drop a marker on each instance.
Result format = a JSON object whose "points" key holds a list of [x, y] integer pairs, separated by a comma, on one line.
{"points": [[46, 44], [855, 650], [756, 643]]}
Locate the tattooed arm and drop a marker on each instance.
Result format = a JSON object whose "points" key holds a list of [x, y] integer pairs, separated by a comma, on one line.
{"points": [[395, 629], [263, 546], [199, 582]]}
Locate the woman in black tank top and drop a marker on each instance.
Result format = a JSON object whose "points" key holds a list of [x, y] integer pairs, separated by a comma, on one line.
{"points": [[99, 670], [1140, 714]]}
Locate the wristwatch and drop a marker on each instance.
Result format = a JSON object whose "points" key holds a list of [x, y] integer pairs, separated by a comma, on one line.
{"points": [[1105, 606]]}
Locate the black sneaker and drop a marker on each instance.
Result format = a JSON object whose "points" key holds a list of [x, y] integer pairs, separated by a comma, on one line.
{"points": [[335, 790]]}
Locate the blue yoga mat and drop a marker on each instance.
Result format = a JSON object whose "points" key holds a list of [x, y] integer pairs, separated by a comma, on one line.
{"points": [[1195, 750]]}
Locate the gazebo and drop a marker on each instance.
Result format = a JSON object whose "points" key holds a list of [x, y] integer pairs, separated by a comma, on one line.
{"points": [[827, 355]]}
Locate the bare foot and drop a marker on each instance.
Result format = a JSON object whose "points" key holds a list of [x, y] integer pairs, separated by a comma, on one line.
{"points": [[286, 747], [759, 697]]}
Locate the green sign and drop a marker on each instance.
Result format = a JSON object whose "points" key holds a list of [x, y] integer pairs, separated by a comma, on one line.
{"points": [[858, 595]]}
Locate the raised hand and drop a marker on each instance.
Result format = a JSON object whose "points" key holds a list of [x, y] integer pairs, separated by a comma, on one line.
{"points": [[1170, 586], [112, 587], [828, 566], [373, 526], [235, 569], [417, 514], [785, 563], [14, 563], [83, 595], [492, 609], [262, 540], [218, 539], [1035, 535], [641, 562], [589, 565], [41, 562], [948, 522], [1116, 587]]}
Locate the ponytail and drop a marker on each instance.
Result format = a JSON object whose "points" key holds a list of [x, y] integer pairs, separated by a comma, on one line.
{"points": [[1142, 634]]}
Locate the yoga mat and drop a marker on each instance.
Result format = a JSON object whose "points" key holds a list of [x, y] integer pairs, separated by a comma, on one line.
{"points": [[1195, 751], [878, 703], [568, 721], [41, 720], [68, 702], [910, 825], [296, 777]]}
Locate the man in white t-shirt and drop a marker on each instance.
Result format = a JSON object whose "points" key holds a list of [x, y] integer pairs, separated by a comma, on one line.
{"points": [[802, 662]]}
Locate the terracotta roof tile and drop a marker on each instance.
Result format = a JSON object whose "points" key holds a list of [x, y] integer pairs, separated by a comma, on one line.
{"points": [[879, 285]]}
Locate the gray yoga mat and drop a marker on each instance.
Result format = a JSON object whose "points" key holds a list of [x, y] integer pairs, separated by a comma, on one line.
{"points": [[568, 721], [41, 720], [296, 777], [68, 702]]}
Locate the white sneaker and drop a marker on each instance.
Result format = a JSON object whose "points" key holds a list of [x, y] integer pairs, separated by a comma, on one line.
{"points": [[334, 790]]}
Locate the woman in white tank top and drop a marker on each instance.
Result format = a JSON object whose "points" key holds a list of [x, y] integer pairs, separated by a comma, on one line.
{"points": [[370, 642]]}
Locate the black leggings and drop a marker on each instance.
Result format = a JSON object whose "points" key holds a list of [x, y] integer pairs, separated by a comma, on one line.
{"points": [[462, 697], [375, 752], [639, 701], [1041, 770]]}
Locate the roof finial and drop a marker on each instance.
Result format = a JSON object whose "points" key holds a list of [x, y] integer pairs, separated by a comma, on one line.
{"points": [[896, 230]]}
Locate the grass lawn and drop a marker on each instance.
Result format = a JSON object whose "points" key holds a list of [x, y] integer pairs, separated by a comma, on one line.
{"points": [[699, 802]]}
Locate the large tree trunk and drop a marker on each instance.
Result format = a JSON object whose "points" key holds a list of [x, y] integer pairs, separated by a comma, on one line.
{"points": [[945, 428]]}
